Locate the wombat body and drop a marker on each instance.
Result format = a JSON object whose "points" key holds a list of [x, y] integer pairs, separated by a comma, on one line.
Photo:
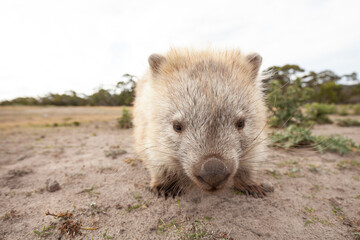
{"points": [[199, 120]]}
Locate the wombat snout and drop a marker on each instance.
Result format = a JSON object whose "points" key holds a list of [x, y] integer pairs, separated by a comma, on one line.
{"points": [[213, 172]]}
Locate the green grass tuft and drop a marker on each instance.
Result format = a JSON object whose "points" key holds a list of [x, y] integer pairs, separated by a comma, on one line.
{"points": [[45, 231]]}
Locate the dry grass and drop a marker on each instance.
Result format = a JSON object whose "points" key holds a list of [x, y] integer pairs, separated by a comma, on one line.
{"points": [[29, 116]]}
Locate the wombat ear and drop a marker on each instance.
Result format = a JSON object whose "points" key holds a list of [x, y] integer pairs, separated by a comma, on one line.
{"points": [[255, 61], [155, 61]]}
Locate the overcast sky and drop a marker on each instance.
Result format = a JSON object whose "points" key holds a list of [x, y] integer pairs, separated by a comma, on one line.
{"points": [[55, 46]]}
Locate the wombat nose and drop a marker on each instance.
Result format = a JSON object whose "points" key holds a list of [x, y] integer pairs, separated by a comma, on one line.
{"points": [[213, 172]]}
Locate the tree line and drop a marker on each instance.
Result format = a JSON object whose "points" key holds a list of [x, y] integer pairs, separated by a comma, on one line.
{"points": [[324, 87]]}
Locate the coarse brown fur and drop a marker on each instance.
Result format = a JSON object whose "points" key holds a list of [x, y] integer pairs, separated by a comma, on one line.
{"points": [[206, 91]]}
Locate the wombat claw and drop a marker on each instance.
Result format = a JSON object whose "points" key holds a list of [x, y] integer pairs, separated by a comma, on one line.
{"points": [[167, 190], [255, 190]]}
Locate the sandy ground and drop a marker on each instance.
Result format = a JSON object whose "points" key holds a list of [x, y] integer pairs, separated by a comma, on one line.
{"points": [[317, 196]]}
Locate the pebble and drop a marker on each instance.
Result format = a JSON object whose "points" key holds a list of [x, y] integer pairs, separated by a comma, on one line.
{"points": [[52, 185], [268, 187]]}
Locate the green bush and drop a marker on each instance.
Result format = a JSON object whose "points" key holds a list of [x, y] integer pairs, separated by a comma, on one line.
{"points": [[343, 111], [284, 103], [348, 123], [329, 92], [292, 137], [125, 121], [121, 95], [297, 137], [21, 101], [334, 143], [317, 112], [356, 109]]}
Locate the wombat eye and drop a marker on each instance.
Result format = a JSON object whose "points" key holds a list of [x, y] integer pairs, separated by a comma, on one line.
{"points": [[240, 124], [177, 127]]}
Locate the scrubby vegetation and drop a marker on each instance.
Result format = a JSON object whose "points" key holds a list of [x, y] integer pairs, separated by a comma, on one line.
{"points": [[121, 95], [356, 109], [318, 112], [296, 101], [296, 97], [325, 86], [343, 111], [297, 137], [287, 94], [125, 121], [348, 122], [291, 80], [292, 136], [284, 103]]}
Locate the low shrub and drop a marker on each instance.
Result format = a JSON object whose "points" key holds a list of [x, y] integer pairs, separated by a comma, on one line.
{"points": [[335, 143], [292, 137], [343, 111], [347, 122], [356, 109], [317, 112], [284, 103], [297, 137], [125, 121]]}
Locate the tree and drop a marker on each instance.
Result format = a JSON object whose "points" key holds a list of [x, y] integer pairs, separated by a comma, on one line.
{"points": [[285, 74]]}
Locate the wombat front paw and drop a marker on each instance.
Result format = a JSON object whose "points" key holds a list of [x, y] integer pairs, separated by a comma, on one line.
{"points": [[254, 189], [172, 189]]}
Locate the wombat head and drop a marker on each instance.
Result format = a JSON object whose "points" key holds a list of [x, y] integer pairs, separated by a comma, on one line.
{"points": [[209, 110]]}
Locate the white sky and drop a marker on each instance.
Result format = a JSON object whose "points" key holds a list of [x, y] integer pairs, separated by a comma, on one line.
{"points": [[54, 46]]}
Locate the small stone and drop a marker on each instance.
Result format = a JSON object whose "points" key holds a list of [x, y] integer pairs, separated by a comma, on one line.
{"points": [[268, 187], [52, 185]]}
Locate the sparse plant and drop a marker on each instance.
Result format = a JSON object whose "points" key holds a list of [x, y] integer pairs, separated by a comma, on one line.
{"points": [[141, 203], [337, 210], [348, 122], [237, 192], [163, 227], [343, 111], [105, 236], [198, 231], [335, 143], [114, 152], [125, 121], [292, 137], [356, 109], [309, 209], [96, 209], [297, 137], [91, 191], [348, 164], [45, 231], [130, 208], [293, 173], [131, 161], [313, 168], [273, 173]]}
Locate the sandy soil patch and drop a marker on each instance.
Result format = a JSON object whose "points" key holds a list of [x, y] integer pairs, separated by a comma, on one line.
{"points": [[317, 196]]}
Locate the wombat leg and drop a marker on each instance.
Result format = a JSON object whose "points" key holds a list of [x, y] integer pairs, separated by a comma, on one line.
{"points": [[166, 186], [244, 183]]}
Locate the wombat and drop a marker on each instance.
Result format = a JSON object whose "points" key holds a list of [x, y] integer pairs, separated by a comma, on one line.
{"points": [[199, 119]]}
